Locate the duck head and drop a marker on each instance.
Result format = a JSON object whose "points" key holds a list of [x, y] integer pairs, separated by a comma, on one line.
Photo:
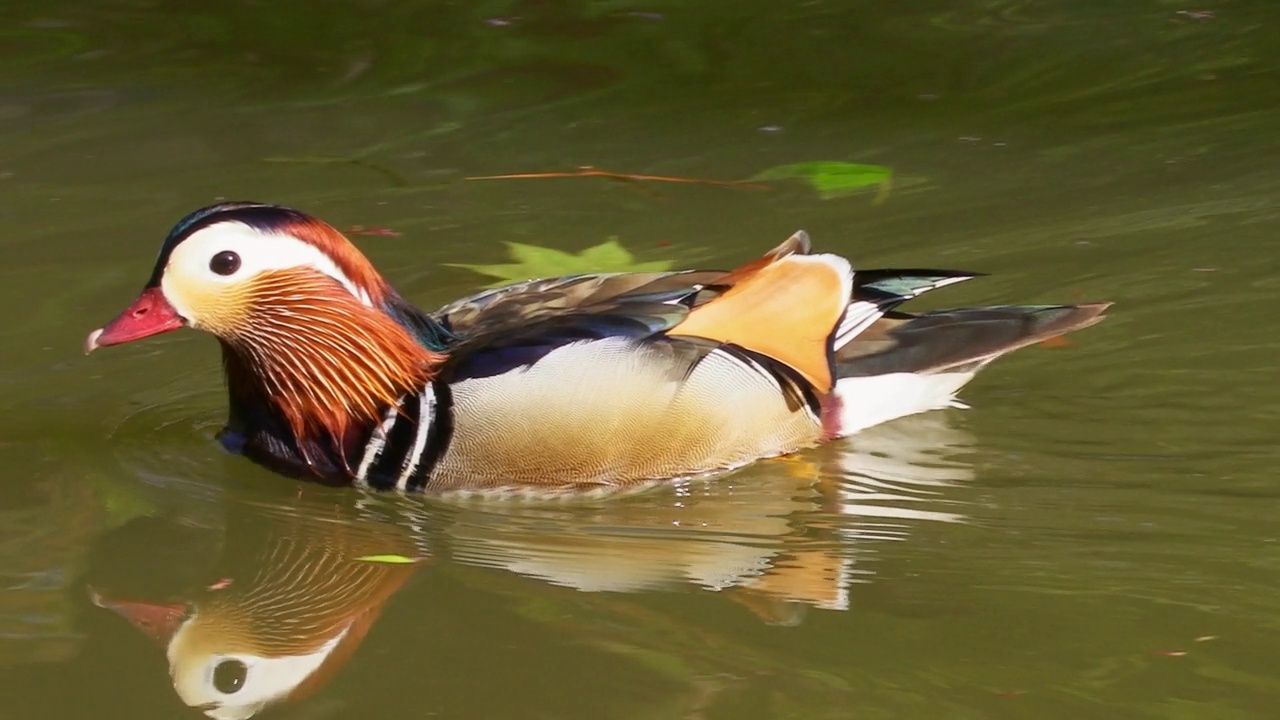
{"points": [[315, 342]]}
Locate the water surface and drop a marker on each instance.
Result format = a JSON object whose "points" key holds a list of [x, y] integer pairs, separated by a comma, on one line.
{"points": [[1094, 538]]}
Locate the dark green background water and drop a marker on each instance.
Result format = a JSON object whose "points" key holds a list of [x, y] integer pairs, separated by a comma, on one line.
{"points": [[1096, 538]]}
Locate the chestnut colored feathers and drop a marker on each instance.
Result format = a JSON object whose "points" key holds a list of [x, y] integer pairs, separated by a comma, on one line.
{"points": [[321, 358]]}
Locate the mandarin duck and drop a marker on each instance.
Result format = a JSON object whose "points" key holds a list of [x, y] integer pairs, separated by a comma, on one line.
{"points": [[588, 382], [292, 596]]}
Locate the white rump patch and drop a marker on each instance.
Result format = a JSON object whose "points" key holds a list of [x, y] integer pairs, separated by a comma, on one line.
{"points": [[875, 399]]}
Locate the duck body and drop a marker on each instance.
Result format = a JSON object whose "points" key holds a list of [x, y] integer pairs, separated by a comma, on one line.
{"points": [[615, 409], [571, 384]]}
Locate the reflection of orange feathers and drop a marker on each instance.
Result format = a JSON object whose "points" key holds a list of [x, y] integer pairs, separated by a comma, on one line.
{"points": [[351, 640], [786, 308], [815, 577], [802, 579]]}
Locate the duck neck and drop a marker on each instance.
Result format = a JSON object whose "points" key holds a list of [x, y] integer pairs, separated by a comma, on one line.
{"points": [[308, 384]]}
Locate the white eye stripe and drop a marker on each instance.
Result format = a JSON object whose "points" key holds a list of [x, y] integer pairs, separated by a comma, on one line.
{"points": [[258, 251]]}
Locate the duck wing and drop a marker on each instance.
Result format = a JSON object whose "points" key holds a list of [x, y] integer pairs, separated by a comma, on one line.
{"points": [[502, 328], [521, 302]]}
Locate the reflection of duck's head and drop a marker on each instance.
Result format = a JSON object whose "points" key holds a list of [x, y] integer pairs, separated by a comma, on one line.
{"points": [[231, 664], [280, 629]]}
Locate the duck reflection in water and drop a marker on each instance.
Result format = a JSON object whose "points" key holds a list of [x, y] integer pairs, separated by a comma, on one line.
{"points": [[284, 608], [297, 587], [777, 539]]}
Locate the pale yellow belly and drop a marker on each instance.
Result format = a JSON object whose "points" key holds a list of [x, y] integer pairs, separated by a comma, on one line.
{"points": [[610, 415]]}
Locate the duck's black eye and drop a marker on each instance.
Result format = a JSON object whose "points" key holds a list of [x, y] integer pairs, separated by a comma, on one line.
{"points": [[225, 263], [228, 677]]}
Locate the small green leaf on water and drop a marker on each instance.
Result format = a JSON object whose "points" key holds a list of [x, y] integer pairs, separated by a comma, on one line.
{"points": [[607, 254], [831, 179], [541, 261], [536, 261], [123, 503], [390, 559]]}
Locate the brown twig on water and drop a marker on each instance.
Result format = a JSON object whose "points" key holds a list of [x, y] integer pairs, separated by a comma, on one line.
{"points": [[588, 171]]}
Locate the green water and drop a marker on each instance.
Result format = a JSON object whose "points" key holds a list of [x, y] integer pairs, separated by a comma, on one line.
{"points": [[1095, 538]]}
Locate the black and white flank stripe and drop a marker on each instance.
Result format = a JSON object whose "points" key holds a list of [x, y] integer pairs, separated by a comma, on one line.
{"points": [[405, 446]]}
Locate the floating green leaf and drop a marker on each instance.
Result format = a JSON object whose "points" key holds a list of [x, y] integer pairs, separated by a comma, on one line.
{"points": [[121, 502], [535, 261], [832, 179], [390, 559]]}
